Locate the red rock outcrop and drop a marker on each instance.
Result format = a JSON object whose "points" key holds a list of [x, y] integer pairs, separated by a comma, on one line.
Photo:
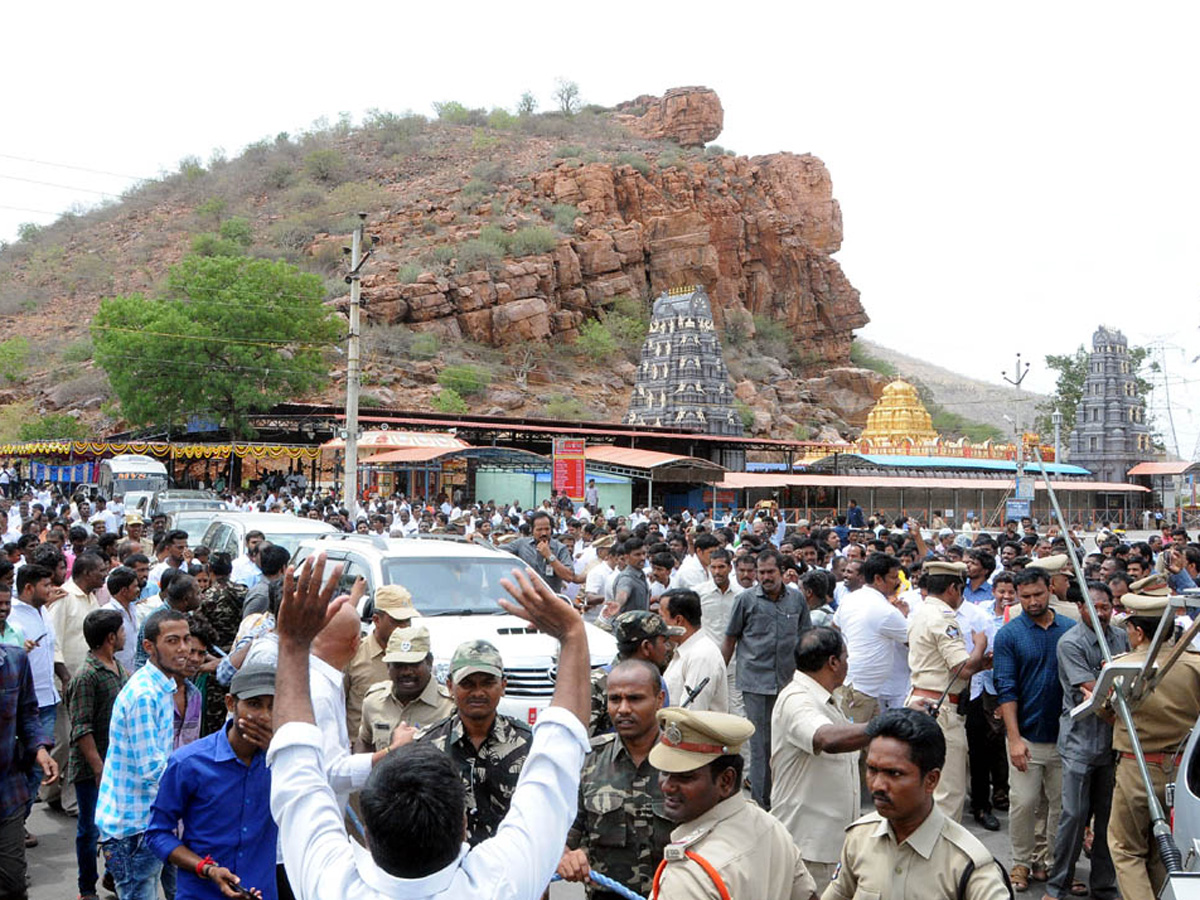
{"points": [[690, 116], [758, 233]]}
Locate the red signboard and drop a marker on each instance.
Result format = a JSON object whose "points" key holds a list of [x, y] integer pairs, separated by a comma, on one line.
{"points": [[569, 467]]}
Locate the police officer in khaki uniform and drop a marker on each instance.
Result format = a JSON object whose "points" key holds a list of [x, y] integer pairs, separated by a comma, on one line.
{"points": [[393, 609], [1164, 718], [908, 849], [723, 846], [937, 657], [410, 695]]}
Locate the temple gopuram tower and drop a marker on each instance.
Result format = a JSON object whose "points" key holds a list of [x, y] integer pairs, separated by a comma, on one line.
{"points": [[1110, 434], [682, 381], [899, 415]]}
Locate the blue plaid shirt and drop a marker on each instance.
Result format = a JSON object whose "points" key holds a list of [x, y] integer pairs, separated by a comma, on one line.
{"points": [[140, 739], [1025, 667], [18, 720]]}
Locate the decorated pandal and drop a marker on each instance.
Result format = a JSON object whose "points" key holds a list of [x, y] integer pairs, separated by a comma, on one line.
{"points": [[899, 424], [161, 449]]}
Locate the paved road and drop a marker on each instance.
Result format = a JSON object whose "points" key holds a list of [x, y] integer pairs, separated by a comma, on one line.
{"points": [[52, 862]]}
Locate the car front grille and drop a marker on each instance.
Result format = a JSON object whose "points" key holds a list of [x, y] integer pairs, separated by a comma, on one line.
{"points": [[531, 682]]}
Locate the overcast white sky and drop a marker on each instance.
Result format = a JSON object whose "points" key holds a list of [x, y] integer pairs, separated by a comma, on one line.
{"points": [[1011, 175]]}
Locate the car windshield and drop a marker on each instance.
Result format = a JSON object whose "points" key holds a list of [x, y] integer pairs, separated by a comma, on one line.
{"points": [[194, 523], [283, 539], [169, 506], [446, 587]]}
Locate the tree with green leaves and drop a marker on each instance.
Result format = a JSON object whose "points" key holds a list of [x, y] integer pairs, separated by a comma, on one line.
{"points": [[1072, 369], [224, 338]]}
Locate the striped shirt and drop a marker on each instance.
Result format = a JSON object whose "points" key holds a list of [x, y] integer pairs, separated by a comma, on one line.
{"points": [[140, 739]]}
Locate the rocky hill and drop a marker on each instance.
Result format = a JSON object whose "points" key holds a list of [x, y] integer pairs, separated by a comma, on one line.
{"points": [[507, 249]]}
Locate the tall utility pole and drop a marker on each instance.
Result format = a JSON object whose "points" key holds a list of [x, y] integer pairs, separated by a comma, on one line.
{"points": [[1018, 376], [350, 479], [1057, 419]]}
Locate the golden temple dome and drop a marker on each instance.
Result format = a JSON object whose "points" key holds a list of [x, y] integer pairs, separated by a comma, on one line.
{"points": [[899, 414]]}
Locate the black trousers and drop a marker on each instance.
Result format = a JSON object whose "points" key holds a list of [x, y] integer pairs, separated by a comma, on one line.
{"points": [[987, 752], [12, 856], [283, 887]]}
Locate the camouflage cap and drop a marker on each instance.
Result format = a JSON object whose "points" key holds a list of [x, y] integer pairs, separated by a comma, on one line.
{"points": [[407, 645], [476, 656], [640, 625]]}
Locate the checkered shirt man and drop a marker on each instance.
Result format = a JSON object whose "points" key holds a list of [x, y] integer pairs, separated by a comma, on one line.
{"points": [[140, 739]]}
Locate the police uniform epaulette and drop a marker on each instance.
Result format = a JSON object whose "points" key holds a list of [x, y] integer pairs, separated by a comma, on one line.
{"points": [[677, 850], [961, 838], [869, 819], [379, 686], [601, 739]]}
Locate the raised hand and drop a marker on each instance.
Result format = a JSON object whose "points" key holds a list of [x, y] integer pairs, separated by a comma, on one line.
{"points": [[306, 606], [536, 603]]}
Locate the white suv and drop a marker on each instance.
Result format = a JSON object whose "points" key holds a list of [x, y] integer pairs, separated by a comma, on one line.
{"points": [[455, 585]]}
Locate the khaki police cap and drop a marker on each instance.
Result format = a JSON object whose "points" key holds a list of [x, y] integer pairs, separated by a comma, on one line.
{"points": [[506, 538], [605, 542], [407, 645], [1151, 595], [396, 601], [691, 739], [1055, 564], [134, 519], [941, 567]]}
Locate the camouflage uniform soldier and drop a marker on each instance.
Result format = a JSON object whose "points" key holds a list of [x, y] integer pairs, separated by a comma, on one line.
{"points": [[621, 829], [218, 618], [640, 635], [488, 749]]}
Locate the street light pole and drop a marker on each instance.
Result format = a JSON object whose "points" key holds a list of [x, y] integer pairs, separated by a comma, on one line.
{"points": [[350, 478], [1057, 418], [1018, 377]]}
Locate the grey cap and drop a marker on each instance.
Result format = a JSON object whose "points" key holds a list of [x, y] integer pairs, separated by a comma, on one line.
{"points": [[254, 680]]}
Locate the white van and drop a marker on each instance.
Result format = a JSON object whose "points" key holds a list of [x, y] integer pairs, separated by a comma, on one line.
{"points": [[128, 473], [455, 585]]}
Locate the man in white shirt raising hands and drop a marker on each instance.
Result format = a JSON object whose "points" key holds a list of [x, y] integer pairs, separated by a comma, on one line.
{"points": [[414, 802]]}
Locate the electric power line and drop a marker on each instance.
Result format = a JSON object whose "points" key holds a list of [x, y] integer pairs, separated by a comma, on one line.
{"points": [[65, 187], [48, 212], [43, 162], [280, 342]]}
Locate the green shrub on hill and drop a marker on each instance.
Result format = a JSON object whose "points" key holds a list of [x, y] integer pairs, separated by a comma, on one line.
{"points": [[448, 400], [636, 160], [561, 406], [467, 380]]}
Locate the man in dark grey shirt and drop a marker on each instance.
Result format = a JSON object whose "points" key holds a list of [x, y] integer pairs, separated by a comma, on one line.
{"points": [[764, 627], [1085, 746], [631, 590], [548, 557]]}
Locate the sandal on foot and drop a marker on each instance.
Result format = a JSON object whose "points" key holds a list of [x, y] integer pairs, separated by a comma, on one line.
{"points": [[1020, 878]]}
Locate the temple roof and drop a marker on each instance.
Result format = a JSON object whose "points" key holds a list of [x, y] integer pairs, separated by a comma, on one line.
{"points": [[898, 415]]}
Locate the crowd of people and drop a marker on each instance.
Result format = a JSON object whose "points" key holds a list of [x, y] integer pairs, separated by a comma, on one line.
{"points": [[769, 676]]}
